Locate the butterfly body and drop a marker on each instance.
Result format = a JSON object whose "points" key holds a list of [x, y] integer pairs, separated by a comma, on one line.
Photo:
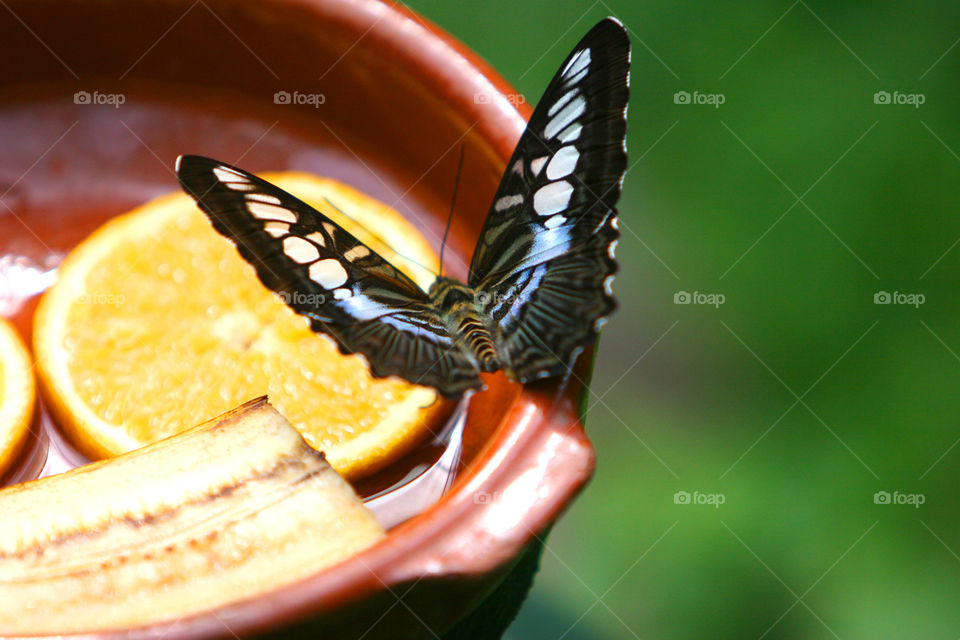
{"points": [[465, 319], [539, 285]]}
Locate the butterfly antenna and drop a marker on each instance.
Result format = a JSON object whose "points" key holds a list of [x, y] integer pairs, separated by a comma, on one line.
{"points": [[456, 185]]}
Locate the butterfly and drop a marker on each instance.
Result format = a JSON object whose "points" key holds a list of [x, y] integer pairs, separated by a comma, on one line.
{"points": [[539, 285]]}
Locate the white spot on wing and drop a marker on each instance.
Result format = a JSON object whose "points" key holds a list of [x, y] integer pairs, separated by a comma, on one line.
{"points": [[358, 251], [318, 237], [263, 197], [239, 186], [277, 229], [506, 202], [328, 273], [572, 80], [225, 174], [571, 133], [615, 222], [624, 141], [342, 293], [299, 250], [552, 198], [363, 308], [555, 221], [536, 165], [563, 162], [612, 250], [562, 101], [271, 212], [608, 285], [577, 64], [567, 115]]}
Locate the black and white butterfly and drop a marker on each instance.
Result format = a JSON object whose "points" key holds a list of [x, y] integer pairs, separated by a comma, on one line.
{"points": [[539, 283]]}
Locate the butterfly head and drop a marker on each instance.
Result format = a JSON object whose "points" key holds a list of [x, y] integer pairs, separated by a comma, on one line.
{"points": [[449, 294]]}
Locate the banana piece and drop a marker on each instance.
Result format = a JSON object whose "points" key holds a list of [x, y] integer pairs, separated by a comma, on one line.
{"points": [[229, 509]]}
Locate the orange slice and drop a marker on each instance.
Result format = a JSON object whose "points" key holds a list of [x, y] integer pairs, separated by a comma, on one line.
{"points": [[17, 394], [156, 322]]}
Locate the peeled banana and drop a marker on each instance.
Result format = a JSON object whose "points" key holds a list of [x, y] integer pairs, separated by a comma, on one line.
{"points": [[231, 508]]}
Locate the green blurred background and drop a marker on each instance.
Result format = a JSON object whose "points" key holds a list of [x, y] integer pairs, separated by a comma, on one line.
{"points": [[799, 398]]}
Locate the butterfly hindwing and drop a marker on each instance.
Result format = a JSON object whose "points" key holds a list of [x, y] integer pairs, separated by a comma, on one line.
{"points": [[544, 261], [326, 274], [546, 313]]}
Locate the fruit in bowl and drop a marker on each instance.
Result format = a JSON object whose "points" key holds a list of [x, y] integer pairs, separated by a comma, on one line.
{"points": [[17, 390], [228, 509], [155, 323]]}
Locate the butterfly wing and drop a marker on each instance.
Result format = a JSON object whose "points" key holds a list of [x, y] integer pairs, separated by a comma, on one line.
{"points": [[544, 261], [324, 273]]}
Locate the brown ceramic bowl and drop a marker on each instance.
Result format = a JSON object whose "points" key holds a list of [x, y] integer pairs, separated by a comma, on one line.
{"points": [[399, 97]]}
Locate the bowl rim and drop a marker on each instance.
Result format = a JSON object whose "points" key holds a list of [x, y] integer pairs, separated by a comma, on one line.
{"points": [[541, 433]]}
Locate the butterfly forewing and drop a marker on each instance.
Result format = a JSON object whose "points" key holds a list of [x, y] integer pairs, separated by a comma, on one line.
{"points": [[544, 261], [326, 274]]}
